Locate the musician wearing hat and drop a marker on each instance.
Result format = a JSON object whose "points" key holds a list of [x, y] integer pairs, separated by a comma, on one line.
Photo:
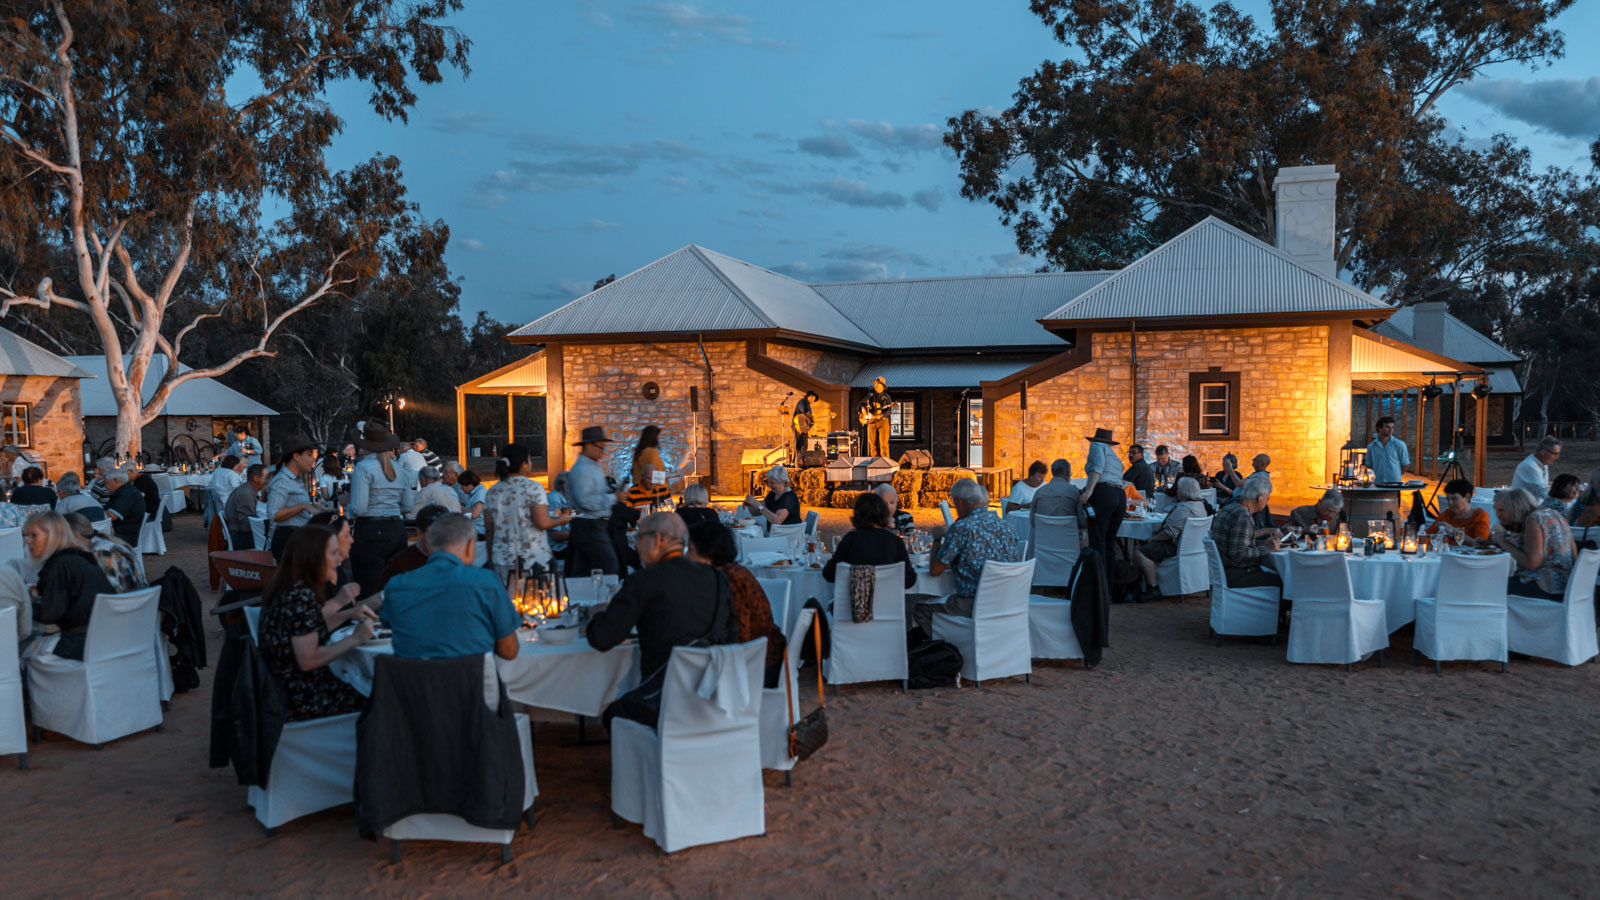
{"points": [[803, 419], [1103, 495], [589, 546], [874, 414], [380, 500], [289, 503]]}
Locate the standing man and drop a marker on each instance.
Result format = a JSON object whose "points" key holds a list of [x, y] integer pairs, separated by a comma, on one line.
{"points": [[802, 421], [589, 546], [244, 446], [1533, 473], [430, 458], [412, 462], [1387, 454], [1138, 473], [875, 415]]}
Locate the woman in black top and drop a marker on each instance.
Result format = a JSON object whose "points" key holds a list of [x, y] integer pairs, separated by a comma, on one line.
{"points": [[871, 543], [781, 506], [68, 581], [696, 506], [33, 492], [297, 621]]}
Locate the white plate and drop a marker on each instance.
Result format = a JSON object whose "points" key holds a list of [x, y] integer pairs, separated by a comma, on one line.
{"points": [[766, 557]]}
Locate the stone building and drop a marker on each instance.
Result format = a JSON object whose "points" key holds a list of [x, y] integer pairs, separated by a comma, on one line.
{"points": [[1214, 342], [194, 422], [42, 411]]}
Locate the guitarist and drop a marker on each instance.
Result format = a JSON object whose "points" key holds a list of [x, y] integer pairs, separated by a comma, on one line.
{"points": [[802, 421], [874, 414]]}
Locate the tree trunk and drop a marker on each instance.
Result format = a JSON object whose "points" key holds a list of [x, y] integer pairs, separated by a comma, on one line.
{"points": [[130, 430]]}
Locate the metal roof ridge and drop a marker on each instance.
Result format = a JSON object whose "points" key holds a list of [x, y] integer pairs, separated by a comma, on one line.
{"points": [[582, 297], [877, 341], [700, 252], [886, 281]]}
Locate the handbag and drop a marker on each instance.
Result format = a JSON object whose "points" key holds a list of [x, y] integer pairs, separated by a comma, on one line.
{"points": [[809, 734]]}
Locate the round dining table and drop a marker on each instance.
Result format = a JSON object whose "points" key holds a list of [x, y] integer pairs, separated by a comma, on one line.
{"points": [[1133, 528], [1395, 578]]}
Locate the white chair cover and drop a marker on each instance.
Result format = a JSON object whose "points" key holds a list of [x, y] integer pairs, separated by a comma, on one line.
{"points": [[1244, 612], [795, 534], [994, 643], [580, 588], [1050, 632], [258, 532], [1467, 620], [103, 527], [1188, 572], [11, 546], [811, 523], [151, 540], [749, 545], [777, 591], [868, 651], [172, 499], [1327, 624], [944, 510], [775, 719], [1564, 632], [313, 769], [13, 726], [695, 778], [1054, 548], [115, 690]]}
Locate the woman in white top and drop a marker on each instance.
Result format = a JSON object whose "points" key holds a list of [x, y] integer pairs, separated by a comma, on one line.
{"points": [[229, 475], [1103, 494], [380, 499], [517, 516]]}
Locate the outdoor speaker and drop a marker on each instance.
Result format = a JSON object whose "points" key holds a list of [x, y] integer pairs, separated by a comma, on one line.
{"points": [[1024, 400], [694, 398]]}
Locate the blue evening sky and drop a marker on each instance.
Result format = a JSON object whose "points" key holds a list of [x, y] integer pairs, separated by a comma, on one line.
{"points": [[595, 136]]}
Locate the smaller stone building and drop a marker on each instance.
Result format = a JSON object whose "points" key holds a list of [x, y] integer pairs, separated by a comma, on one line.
{"points": [[194, 422], [42, 409]]}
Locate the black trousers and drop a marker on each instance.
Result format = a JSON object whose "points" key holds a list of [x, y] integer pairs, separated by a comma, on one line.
{"points": [[590, 548], [280, 537], [1109, 504], [1251, 576], [1520, 588], [243, 540], [376, 540]]}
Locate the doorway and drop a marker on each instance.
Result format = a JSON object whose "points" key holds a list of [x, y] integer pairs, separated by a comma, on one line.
{"points": [[974, 446]]}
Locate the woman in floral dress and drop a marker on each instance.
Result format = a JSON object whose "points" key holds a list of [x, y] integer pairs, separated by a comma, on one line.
{"points": [[516, 516], [296, 622]]}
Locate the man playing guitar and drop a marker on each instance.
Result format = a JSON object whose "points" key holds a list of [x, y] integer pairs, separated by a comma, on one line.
{"points": [[874, 414], [802, 421]]}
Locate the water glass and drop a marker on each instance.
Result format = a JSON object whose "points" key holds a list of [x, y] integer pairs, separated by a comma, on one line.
{"points": [[596, 578]]}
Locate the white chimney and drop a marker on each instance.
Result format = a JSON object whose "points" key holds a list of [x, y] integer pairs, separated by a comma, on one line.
{"points": [[1427, 325], [1307, 198]]}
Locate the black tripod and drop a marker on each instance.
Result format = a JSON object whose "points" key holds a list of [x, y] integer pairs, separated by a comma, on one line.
{"points": [[1452, 471]]}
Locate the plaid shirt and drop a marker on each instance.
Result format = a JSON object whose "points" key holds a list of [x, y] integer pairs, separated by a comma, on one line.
{"points": [[1234, 531], [1168, 472], [972, 541]]}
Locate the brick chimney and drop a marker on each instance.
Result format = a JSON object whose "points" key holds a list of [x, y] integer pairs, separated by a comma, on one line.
{"points": [[1427, 325], [1306, 203]]}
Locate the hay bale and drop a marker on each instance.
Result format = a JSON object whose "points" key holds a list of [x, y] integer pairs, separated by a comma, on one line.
{"points": [[930, 499], [941, 479], [844, 499], [811, 486], [908, 484]]}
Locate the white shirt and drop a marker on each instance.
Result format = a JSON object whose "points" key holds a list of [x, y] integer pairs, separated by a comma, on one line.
{"points": [[223, 481], [412, 462], [1021, 494], [1388, 461], [1532, 476]]}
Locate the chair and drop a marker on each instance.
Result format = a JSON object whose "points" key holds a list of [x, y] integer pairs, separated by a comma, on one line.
{"points": [[11, 545], [811, 523], [447, 827], [115, 689], [1467, 620], [868, 651], [749, 545], [795, 534], [1054, 546], [1050, 631], [1187, 572], [1019, 521], [171, 500], [13, 725], [777, 591], [151, 540], [696, 777], [103, 527], [1327, 624], [1564, 632], [994, 642], [258, 532], [944, 510], [775, 707], [1239, 612]]}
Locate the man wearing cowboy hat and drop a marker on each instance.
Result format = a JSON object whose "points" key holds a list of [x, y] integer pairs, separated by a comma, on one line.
{"points": [[1103, 494], [589, 546], [876, 411]]}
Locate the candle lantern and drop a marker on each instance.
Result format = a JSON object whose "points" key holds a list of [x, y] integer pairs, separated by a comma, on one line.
{"points": [[1408, 544], [1341, 541]]}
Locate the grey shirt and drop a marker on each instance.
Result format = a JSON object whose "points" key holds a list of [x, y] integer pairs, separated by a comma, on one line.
{"points": [[1059, 497], [373, 495], [240, 508]]}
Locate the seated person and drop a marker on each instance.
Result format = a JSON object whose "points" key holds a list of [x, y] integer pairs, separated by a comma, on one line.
{"points": [[696, 506], [1242, 546], [1059, 497], [32, 492], [781, 506], [1022, 492], [123, 566], [1191, 469], [72, 498], [1228, 480], [712, 544], [1540, 543], [450, 607], [900, 521], [472, 494], [240, 508], [127, 506], [1458, 519], [1563, 492], [297, 621], [976, 536], [870, 542], [415, 556], [1163, 544], [1139, 473], [345, 535], [1167, 470], [151, 492], [434, 492], [1328, 508], [69, 580], [674, 601], [1586, 511]]}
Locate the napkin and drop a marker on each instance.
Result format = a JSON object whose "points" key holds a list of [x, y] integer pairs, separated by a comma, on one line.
{"points": [[725, 681]]}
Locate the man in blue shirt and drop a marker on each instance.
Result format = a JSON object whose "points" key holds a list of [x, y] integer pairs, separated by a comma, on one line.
{"points": [[450, 607], [244, 446], [1387, 455]]}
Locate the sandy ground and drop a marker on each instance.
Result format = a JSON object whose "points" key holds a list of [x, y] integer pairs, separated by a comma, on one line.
{"points": [[1175, 768]]}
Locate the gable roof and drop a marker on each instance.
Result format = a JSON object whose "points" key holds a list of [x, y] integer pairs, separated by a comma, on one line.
{"points": [[1461, 341], [20, 356], [197, 397], [1214, 270], [695, 290]]}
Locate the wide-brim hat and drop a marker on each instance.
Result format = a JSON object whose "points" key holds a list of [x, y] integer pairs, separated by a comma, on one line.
{"points": [[881, 380], [375, 437], [1103, 435], [295, 443], [594, 434]]}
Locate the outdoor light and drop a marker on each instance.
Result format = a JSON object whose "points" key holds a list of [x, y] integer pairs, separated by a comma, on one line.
{"points": [[1481, 390], [1432, 391]]}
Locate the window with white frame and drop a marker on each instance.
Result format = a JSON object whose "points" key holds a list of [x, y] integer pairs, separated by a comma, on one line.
{"points": [[14, 424], [1214, 405], [903, 419]]}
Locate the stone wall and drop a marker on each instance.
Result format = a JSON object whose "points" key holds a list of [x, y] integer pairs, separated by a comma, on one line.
{"points": [[1283, 402], [55, 421]]}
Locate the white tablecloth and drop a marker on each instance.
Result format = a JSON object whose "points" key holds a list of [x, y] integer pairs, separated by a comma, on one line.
{"points": [[1394, 578], [573, 678], [1134, 529]]}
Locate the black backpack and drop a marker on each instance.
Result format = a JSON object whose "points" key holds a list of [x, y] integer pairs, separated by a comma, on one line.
{"points": [[933, 664]]}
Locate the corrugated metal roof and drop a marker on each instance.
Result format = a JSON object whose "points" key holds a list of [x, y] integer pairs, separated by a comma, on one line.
{"points": [[525, 376], [1368, 356], [197, 397], [1214, 269], [785, 302], [20, 356], [965, 371], [973, 311], [1461, 341]]}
